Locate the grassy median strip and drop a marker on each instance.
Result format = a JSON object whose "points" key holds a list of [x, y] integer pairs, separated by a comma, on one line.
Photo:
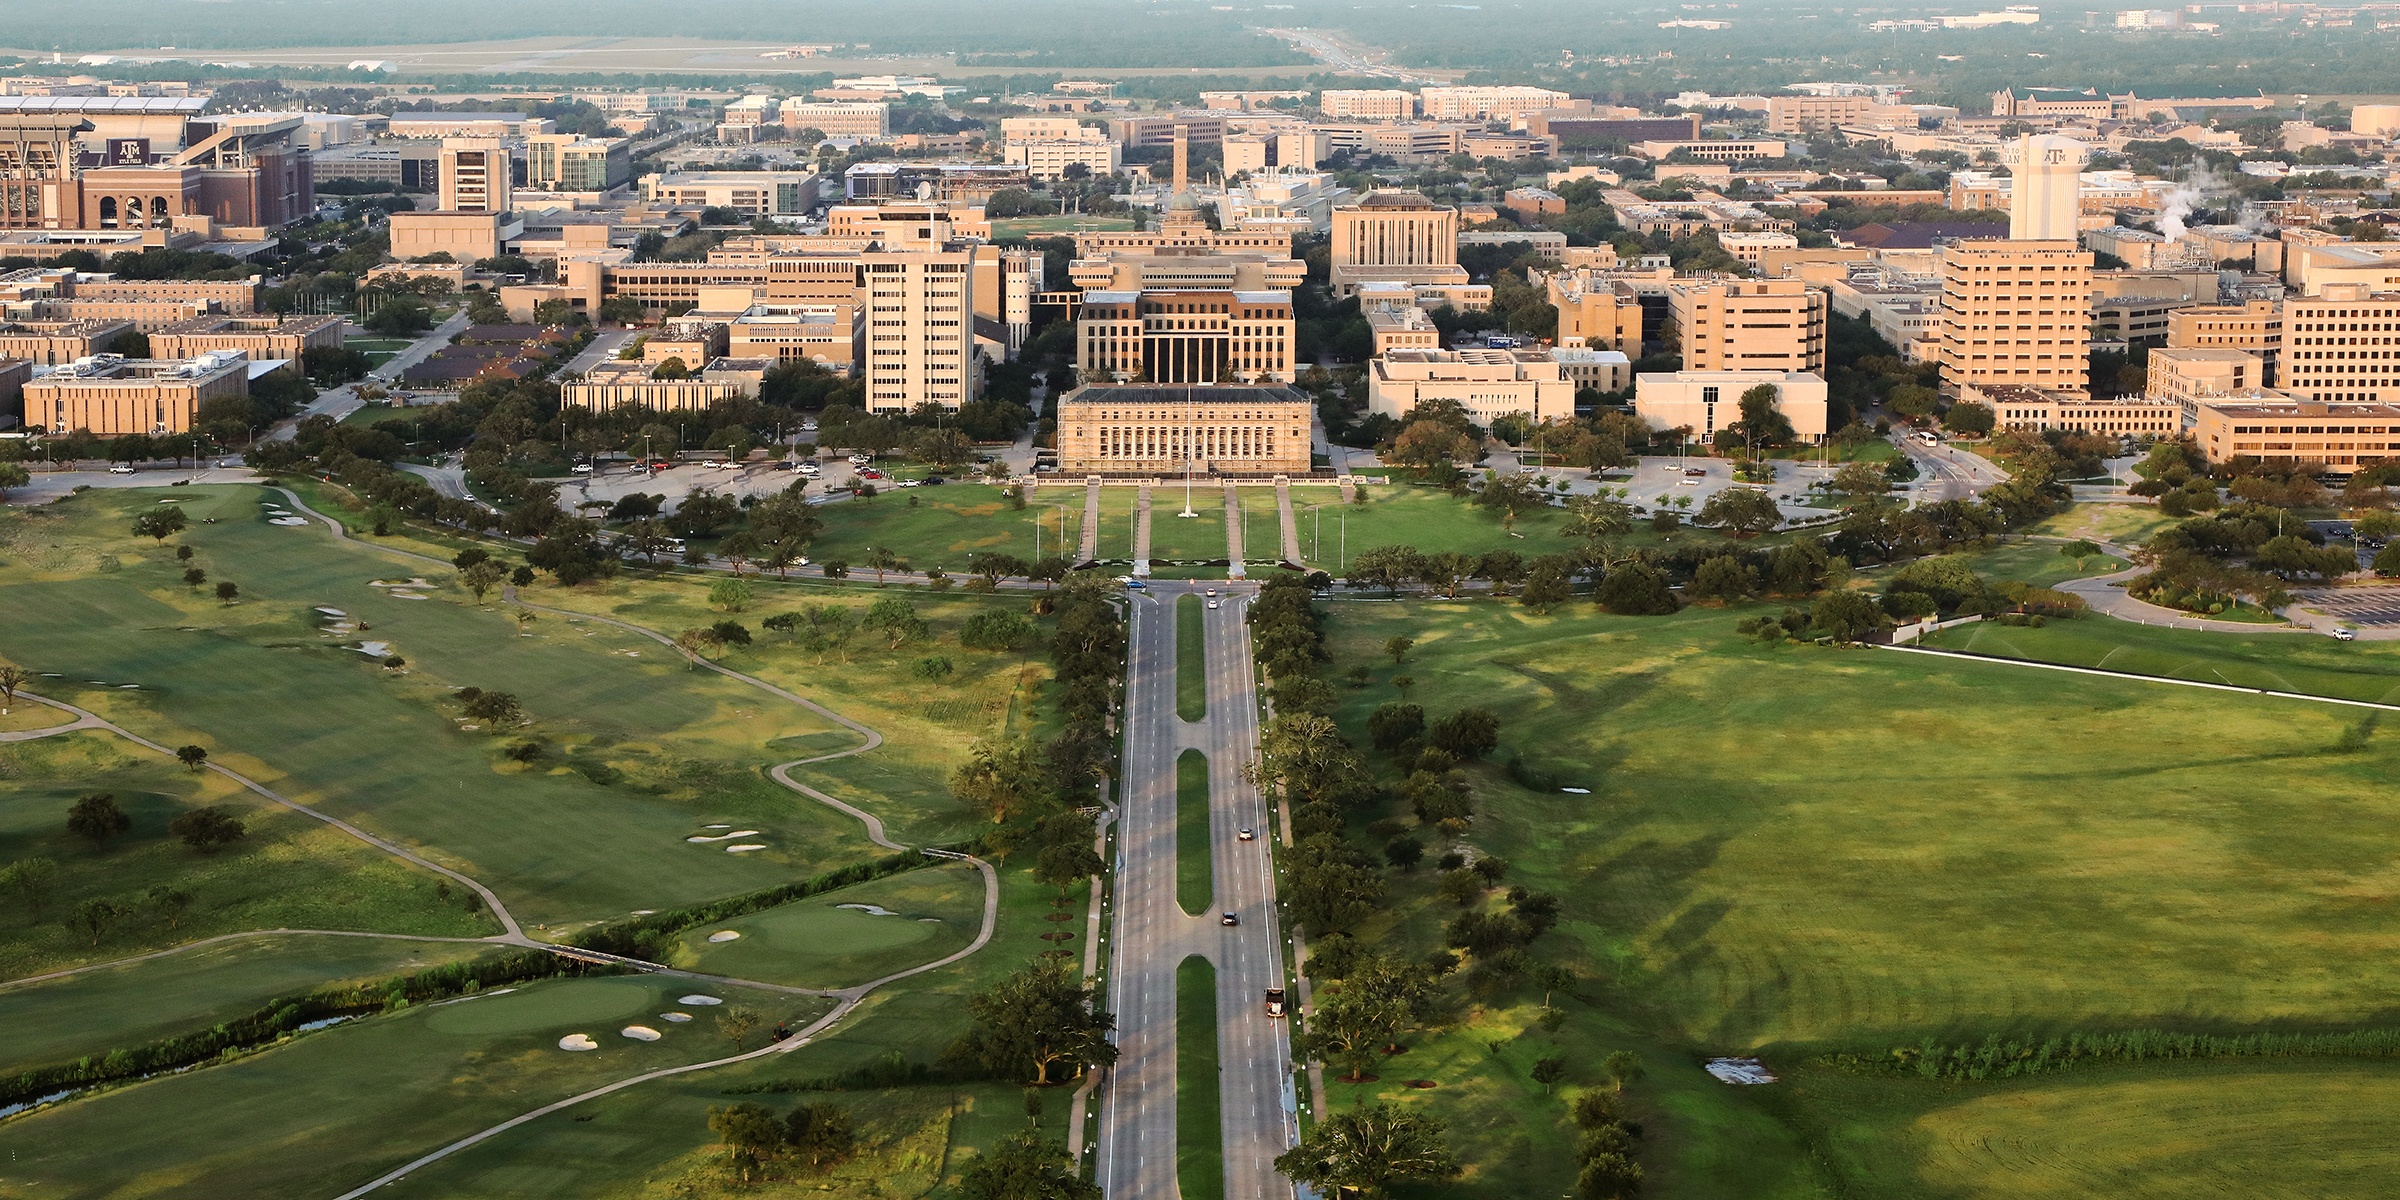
{"points": [[1199, 1134], [1195, 878], [1191, 664]]}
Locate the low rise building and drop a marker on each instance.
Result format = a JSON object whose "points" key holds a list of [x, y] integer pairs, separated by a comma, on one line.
{"points": [[51, 343], [1728, 150], [1487, 384], [2284, 430], [771, 194], [619, 384], [1401, 325], [1049, 159], [1186, 336], [1598, 370], [1707, 401], [1595, 310], [112, 396], [287, 338], [2255, 326], [1142, 429], [2017, 407], [852, 119], [1368, 104], [2186, 377]]}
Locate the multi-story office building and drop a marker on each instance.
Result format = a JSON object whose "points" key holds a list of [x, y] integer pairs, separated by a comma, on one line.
{"points": [[556, 162], [918, 311], [2185, 377], [1487, 384], [1449, 103], [2032, 408], [2276, 428], [51, 343], [409, 166], [614, 384], [1370, 104], [1749, 325], [1050, 159], [841, 119], [112, 396], [1397, 237], [1185, 336], [1816, 114], [1596, 311], [1216, 429], [260, 337], [1717, 150], [1707, 401], [476, 175], [2017, 312], [2342, 345], [468, 125], [2255, 326], [771, 194], [958, 183]]}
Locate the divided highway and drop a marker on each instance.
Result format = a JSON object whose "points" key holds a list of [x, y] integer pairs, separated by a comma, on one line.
{"points": [[1153, 934]]}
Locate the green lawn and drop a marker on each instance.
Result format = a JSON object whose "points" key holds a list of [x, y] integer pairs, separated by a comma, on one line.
{"points": [[2123, 524], [1199, 1122], [638, 750], [1796, 847], [129, 1005], [1191, 667], [2040, 563], [836, 939], [288, 871], [1017, 227], [1176, 538], [2284, 662], [1432, 521], [2276, 1130], [331, 1110], [1195, 867], [945, 524]]}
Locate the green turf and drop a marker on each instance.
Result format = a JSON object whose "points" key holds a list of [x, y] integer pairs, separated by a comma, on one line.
{"points": [[288, 871], [1191, 658], [129, 1005], [1008, 227], [1195, 878], [945, 525], [1798, 846], [2040, 563], [1197, 538], [641, 750], [2121, 524], [2278, 1130], [819, 943], [2284, 662], [332, 1110], [1199, 1123]]}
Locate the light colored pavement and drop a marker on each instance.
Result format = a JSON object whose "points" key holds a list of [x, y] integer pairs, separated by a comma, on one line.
{"points": [[1948, 473], [448, 479], [50, 485], [1141, 530], [1090, 548], [340, 402], [604, 346], [1233, 532], [1154, 935]]}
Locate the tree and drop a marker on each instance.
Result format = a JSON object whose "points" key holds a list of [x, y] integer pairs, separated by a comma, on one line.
{"points": [[1861, 479], [12, 677], [207, 829], [738, 1022], [1763, 422], [13, 475], [194, 577], [1609, 1175], [1025, 1166], [1398, 648], [896, 619], [2387, 561], [1548, 1070], [1970, 418], [731, 595], [482, 577], [1062, 865], [1624, 1069], [30, 882], [1636, 589], [161, 523], [1002, 779], [96, 818], [1845, 616], [1741, 512], [191, 756], [1363, 1151], [1468, 733], [499, 710], [821, 1133], [226, 591], [1393, 725], [170, 903], [750, 1131], [94, 918], [1039, 1019], [1726, 578], [1546, 584]]}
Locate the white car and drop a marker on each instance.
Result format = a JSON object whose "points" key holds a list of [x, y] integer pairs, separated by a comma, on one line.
{"points": [[860, 460], [120, 469], [583, 468], [908, 483], [2344, 635]]}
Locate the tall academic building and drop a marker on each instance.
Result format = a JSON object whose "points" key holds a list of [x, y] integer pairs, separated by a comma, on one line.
{"points": [[2017, 312], [1396, 237], [1749, 324], [919, 318]]}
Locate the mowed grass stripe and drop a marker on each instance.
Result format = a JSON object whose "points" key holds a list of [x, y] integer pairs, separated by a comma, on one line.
{"points": [[1191, 659], [1195, 869], [1199, 1125]]}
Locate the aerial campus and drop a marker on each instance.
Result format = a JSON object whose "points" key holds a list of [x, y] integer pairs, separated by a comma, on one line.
{"points": [[638, 602]]}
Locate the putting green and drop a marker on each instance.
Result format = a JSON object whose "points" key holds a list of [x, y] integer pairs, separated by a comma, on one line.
{"points": [[817, 942], [530, 1010]]}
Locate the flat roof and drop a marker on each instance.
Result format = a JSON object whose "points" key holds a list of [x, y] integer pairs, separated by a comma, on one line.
{"points": [[121, 105], [1151, 393]]}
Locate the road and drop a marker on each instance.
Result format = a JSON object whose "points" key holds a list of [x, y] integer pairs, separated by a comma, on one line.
{"points": [[1948, 473], [340, 402], [1154, 935]]}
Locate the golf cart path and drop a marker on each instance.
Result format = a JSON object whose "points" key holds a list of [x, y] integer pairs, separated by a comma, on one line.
{"points": [[846, 999]]}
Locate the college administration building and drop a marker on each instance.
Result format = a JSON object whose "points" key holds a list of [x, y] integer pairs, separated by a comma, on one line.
{"points": [[1233, 429]]}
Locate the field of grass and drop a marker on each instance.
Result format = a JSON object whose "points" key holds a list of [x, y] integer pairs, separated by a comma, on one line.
{"points": [[1008, 227], [2122, 524], [1432, 521], [331, 1110], [1177, 538], [129, 1005], [2285, 1130], [1191, 668], [1195, 865], [2283, 662], [944, 526], [1795, 847], [2040, 563], [637, 751], [288, 871], [836, 940], [1199, 1121]]}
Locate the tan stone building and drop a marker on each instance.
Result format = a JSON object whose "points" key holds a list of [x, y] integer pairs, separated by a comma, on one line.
{"points": [[2342, 345], [1707, 401], [2017, 312], [2186, 377], [1810, 114], [1398, 237], [919, 308], [2256, 327], [264, 337], [1367, 104], [1487, 384], [1596, 311], [2032, 408], [52, 343], [112, 396], [1185, 337], [1749, 325], [2277, 428], [1140, 429], [612, 384]]}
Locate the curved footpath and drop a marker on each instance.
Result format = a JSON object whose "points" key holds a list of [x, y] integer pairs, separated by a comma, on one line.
{"points": [[846, 999]]}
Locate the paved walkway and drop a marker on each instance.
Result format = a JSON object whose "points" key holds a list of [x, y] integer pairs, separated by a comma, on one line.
{"points": [[1290, 523], [1233, 533], [1141, 531], [1091, 520], [2106, 595]]}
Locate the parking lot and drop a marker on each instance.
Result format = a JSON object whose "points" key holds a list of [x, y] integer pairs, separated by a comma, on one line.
{"points": [[2372, 605]]}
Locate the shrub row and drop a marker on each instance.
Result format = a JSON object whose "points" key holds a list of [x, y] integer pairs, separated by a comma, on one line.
{"points": [[279, 1018], [2008, 1058]]}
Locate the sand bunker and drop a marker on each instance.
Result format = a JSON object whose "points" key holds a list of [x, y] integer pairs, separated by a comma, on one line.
{"points": [[287, 520], [410, 596], [675, 1018], [640, 1033], [723, 935], [872, 910], [744, 848], [1739, 1071], [1577, 791], [128, 687], [699, 1000], [373, 649], [716, 827], [331, 612], [724, 837], [578, 1041], [411, 581]]}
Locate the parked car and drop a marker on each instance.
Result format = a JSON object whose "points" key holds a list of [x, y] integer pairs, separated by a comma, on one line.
{"points": [[2344, 635], [860, 460], [935, 481], [583, 468], [120, 469]]}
